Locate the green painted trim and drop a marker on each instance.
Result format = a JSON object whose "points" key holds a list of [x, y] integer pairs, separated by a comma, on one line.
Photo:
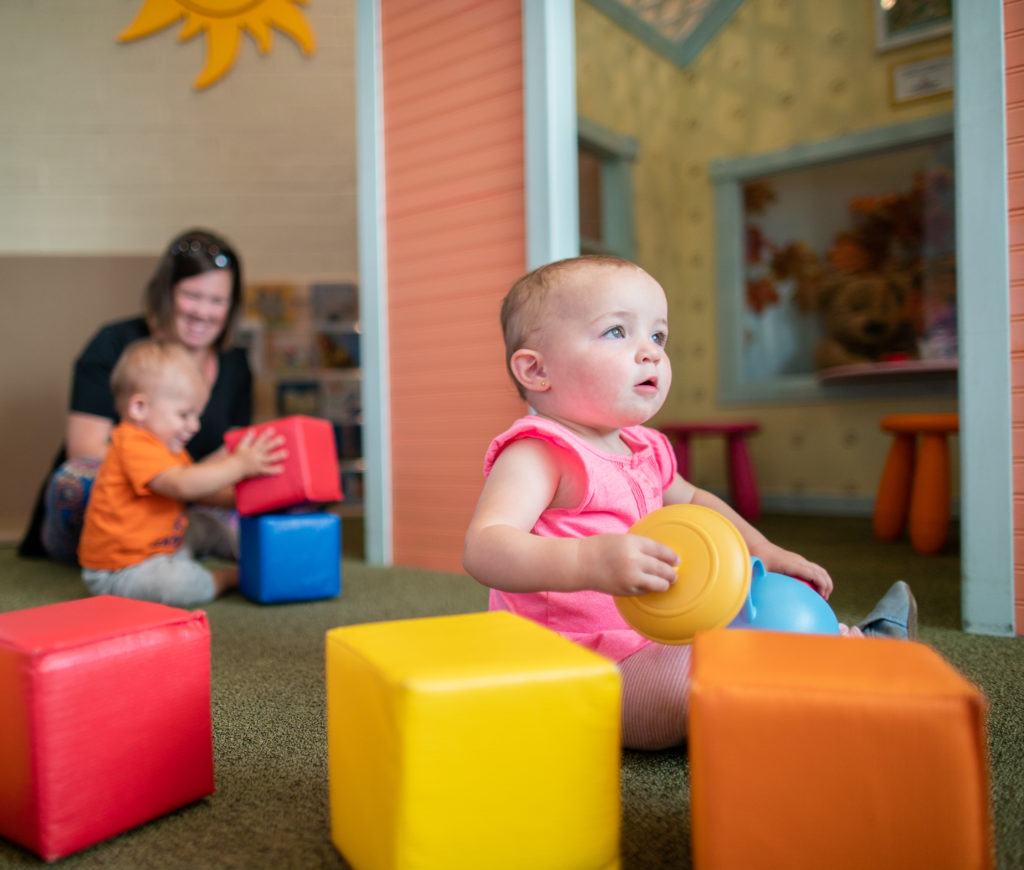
{"points": [[373, 288], [729, 270], [634, 24], [680, 52], [618, 152], [857, 144], [608, 142], [728, 177], [617, 217], [983, 310], [716, 18]]}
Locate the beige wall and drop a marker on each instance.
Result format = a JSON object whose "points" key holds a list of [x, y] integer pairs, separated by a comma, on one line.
{"points": [[106, 151], [43, 327], [779, 73]]}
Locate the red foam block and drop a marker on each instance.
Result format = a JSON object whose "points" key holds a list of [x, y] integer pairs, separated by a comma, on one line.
{"points": [[310, 472], [105, 722]]}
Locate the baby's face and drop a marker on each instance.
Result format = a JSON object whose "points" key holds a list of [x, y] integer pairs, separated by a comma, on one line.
{"points": [[173, 409], [603, 344]]}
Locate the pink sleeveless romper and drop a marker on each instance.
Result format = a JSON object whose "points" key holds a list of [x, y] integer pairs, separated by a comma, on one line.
{"points": [[619, 491]]}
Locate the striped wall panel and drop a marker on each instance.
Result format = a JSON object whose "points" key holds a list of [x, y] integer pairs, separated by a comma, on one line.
{"points": [[1013, 23], [452, 90]]}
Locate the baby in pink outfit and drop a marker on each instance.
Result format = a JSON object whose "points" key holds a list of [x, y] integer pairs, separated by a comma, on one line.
{"points": [[585, 345]]}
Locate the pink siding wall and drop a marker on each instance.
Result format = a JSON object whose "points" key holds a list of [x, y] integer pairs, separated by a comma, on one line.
{"points": [[455, 222], [1013, 21]]}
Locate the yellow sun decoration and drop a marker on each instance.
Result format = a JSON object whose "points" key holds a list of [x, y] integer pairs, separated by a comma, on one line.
{"points": [[223, 22]]}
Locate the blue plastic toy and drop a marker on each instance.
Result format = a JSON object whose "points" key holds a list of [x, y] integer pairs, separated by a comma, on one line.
{"points": [[780, 603]]}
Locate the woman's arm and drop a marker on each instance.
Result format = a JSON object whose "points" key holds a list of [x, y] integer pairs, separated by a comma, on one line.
{"points": [[528, 477], [87, 436]]}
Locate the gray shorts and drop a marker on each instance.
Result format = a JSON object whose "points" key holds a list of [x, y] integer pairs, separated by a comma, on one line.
{"points": [[173, 578]]}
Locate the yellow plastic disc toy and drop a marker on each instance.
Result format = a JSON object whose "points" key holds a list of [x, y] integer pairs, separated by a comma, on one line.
{"points": [[713, 575]]}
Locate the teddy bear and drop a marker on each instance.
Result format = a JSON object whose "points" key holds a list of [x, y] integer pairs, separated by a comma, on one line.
{"points": [[865, 318]]}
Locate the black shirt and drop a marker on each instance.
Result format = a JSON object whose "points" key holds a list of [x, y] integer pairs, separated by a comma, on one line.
{"points": [[230, 402]]}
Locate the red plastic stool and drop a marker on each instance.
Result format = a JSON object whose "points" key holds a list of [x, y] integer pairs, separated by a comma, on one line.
{"points": [[742, 482], [915, 481]]}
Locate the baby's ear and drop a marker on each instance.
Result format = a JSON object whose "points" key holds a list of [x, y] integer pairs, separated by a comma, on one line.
{"points": [[528, 368], [136, 408]]}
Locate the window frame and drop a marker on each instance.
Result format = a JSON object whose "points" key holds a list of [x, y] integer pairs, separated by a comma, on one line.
{"points": [[728, 177], [617, 153]]}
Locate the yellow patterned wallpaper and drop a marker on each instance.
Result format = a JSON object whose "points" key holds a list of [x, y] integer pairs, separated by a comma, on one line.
{"points": [[779, 73]]}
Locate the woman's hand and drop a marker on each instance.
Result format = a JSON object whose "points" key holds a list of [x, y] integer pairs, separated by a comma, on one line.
{"points": [[625, 564]]}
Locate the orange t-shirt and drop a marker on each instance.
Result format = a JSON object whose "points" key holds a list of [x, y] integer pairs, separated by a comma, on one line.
{"points": [[125, 521]]}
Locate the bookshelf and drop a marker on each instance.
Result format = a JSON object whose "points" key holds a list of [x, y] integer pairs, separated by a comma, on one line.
{"points": [[303, 341]]}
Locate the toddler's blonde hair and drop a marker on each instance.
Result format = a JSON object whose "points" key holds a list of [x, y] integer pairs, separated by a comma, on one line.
{"points": [[145, 365]]}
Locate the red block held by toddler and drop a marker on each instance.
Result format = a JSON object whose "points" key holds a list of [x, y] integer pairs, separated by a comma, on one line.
{"points": [[310, 473]]}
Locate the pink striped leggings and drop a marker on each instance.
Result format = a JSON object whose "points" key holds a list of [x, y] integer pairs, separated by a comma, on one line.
{"points": [[655, 691]]}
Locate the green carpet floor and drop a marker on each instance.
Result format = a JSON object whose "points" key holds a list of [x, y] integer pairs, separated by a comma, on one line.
{"points": [[270, 807]]}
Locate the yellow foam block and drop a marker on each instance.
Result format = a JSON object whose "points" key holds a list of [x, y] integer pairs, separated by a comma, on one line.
{"points": [[471, 741], [810, 751]]}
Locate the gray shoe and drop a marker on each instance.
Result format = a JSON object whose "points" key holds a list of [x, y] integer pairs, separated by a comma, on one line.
{"points": [[895, 615]]}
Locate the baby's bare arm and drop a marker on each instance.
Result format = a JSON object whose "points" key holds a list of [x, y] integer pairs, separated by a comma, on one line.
{"points": [[205, 481], [500, 550], [775, 558]]}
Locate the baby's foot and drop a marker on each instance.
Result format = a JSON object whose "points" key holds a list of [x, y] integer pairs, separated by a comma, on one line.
{"points": [[895, 615]]}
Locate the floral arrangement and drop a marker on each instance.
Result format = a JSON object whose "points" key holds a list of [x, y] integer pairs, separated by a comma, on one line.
{"points": [[793, 261], [911, 232]]}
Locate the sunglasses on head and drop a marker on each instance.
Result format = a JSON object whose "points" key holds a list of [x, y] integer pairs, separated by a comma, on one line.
{"points": [[191, 247]]}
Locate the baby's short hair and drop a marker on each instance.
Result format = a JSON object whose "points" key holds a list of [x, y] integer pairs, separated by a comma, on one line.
{"points": [[143, 366], [523, 307]]}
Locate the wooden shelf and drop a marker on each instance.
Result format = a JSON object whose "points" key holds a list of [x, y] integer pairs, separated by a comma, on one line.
{"points": [[890, 372]]}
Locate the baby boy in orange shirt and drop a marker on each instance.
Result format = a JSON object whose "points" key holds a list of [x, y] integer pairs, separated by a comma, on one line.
{"points": [[138, 538]]}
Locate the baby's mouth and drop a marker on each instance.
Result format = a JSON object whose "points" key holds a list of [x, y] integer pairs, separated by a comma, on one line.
{"points": [[650, 383]]}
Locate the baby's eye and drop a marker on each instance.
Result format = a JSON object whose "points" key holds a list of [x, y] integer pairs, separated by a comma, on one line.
{"points": [[616, 332], [660, 338]]}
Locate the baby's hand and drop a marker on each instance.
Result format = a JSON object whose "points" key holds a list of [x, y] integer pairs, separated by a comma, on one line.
{"points": [[261, 454], [794, 565], [626, 564]]}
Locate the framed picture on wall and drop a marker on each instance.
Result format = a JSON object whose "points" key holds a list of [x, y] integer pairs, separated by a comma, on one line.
{"points": [[921, 79], [902, 23]]}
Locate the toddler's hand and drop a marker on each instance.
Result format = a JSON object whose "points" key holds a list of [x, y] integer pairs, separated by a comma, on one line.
{"points": [[782, 561], [261, 454], [626, 564]]}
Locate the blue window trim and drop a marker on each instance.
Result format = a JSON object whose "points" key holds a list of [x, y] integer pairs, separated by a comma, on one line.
{"points": [[728, 177]]}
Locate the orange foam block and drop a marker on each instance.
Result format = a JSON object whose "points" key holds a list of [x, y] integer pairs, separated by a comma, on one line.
{"points": [[104, 719], [310, 475], [809, 751]]}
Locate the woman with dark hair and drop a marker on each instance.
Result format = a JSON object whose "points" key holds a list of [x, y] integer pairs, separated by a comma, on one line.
{"points": [[193, 297]]}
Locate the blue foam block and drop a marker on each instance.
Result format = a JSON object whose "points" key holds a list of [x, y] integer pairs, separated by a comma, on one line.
{"points": [[290, 557]]}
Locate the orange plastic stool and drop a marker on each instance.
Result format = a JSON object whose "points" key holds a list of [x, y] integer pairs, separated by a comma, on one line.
{"points": [[809, 751], [915, 480]]}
